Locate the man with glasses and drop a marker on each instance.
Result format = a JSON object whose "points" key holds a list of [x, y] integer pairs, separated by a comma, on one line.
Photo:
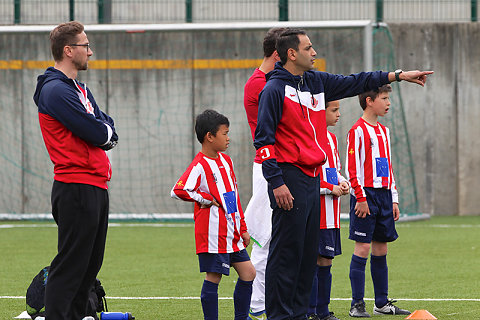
{"points": [[76, 134]]}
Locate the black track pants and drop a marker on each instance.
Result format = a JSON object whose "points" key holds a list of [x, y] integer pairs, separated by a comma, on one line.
{"points": [[293, 248], [81, 213]]}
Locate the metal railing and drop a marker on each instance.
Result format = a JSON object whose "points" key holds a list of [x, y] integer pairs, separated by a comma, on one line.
{"points": [[177, 11]]}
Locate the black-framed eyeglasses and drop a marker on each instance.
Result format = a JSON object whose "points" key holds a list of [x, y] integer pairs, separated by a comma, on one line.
{"points": [[86, 45]]}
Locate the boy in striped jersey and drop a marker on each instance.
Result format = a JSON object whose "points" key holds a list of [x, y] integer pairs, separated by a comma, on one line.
{"points": [[373, 202], [220, 231], [332, 186]]}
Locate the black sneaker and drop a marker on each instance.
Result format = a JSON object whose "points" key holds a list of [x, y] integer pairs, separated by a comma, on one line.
{"points": [[389, 308], [358, 311], [330, 317]]}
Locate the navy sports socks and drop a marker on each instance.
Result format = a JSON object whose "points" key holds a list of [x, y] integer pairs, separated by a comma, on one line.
{"points": [[313, 295], [209, 298], [324, 287], [379, 271], [241, 298], [357, 278]]}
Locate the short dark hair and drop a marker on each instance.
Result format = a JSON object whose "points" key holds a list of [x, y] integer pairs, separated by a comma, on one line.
{"points": [[373, 94], [288, 40], [327, 104], [270, 41], [209, 121], [63, 35]]}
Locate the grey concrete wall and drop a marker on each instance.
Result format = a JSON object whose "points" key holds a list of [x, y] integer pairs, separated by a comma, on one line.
{"points": [[443, 118], [154, 110], [468, 119]]}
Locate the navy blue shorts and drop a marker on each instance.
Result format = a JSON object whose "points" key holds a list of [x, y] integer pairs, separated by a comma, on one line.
{"points": [[221, 262], [379, 225], [330, 244]]}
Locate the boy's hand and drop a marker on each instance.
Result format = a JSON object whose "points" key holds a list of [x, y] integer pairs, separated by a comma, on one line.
{"points": [[345, 187], [214, 203], [337, 191], [396, 212], [283, 197], [361, 209], [246, 238]]}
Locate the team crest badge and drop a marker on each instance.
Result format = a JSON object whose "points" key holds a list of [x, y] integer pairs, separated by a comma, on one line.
{"points": [[314, 102], [89, 107]]}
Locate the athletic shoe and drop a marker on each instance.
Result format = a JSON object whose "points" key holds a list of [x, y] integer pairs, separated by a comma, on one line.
{"points": [[358, 311], [389, 308], [261, 315], [329, 317], [313, 317]]}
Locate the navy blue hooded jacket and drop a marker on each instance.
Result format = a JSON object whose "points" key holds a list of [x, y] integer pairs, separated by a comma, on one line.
{"points": [[74, 129], [291, 124]]}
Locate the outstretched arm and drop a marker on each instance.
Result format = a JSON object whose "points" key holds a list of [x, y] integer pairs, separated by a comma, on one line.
{"points": [[337, 86]]}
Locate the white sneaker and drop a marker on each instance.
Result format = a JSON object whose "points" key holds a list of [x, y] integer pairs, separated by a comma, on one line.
{"points": [[389, 308]]}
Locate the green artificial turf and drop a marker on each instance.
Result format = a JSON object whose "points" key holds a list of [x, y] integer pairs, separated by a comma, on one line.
{"points": [[430, 264]]}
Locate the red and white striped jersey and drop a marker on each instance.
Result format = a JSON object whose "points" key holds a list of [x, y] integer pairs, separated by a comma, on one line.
{"points": [[217, 229], [369, 161], [330, 175]]}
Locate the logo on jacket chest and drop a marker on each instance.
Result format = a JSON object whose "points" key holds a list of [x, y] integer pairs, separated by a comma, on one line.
{"points": [[89, 107], [86, 103], [314, 102], [82, 95]]}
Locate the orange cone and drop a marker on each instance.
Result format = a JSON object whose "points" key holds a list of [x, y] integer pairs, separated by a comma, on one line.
{"points": [[421, 315]]}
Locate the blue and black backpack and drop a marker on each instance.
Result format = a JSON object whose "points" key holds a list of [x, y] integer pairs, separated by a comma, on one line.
{"points": [[36, 297]]}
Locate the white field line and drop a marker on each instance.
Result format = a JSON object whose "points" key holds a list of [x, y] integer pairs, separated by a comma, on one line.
{"points": [[186, 225], [444, 226], [230, 298]]}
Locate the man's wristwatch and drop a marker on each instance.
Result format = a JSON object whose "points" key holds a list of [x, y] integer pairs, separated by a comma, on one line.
{"points": [[397, 74]]}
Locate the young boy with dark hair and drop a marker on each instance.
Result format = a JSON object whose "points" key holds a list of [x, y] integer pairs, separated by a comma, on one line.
{"points": [[332, 186], [220, 231], [373, 202]]}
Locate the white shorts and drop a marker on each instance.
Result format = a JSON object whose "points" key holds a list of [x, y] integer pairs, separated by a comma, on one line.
{"points": [[258, 215]]}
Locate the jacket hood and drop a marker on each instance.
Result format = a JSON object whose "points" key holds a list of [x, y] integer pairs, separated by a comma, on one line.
{"points": [[50, 74], [279, 72]]}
